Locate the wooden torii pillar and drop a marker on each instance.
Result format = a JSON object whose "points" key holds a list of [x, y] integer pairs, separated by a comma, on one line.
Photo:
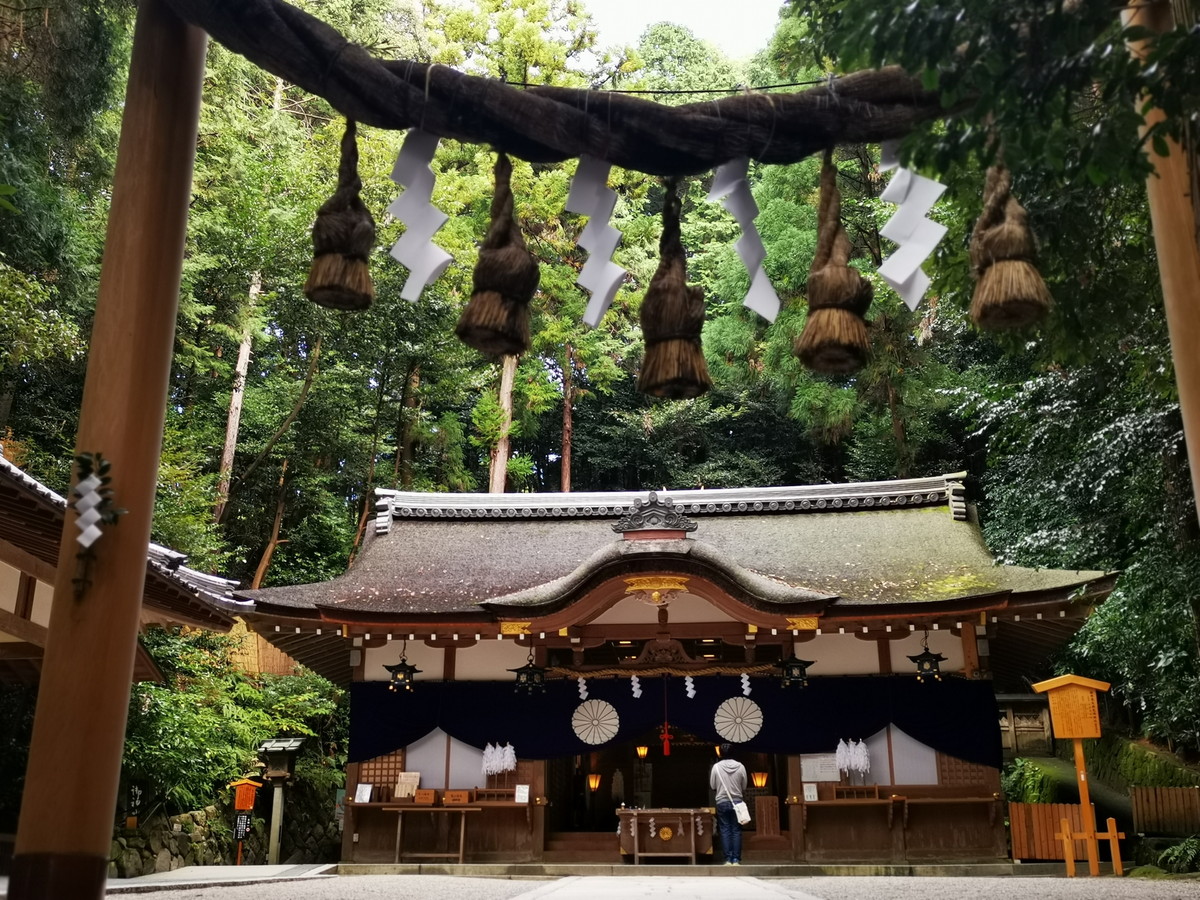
{"points": [[67, 811], [1175, 219]]}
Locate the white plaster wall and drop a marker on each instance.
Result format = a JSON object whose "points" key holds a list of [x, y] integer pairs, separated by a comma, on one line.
{"points": [[941, 641], [488, 660], [9, 580], [682, 608], [43, 596], [428, 659], [912, 761], [840, 654]]}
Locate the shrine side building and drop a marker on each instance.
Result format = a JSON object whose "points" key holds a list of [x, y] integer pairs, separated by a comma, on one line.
{"points": [[562, 666]]}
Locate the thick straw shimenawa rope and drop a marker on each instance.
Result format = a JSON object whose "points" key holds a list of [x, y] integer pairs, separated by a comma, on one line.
{"points": [[550, 124], [343, 237], [496, 320], [834, 339], [1010, 292], [672, 318]]}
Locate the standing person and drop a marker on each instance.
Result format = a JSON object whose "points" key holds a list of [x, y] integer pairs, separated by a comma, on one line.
{"points": [[728, 779]]}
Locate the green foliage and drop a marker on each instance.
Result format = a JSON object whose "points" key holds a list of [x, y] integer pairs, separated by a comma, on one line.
{"points": [[1182, 857], [1023, 781], [190, 736], [1122, 763]]}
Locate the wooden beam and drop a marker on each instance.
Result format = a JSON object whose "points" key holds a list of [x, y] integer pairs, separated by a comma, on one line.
{"points": [[22, 629], [26, 562], [26, 593], [83, 699], [10, 650], [970, 648]]}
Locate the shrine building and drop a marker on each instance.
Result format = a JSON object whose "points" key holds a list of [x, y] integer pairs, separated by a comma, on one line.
{"points": [[558, 669]]}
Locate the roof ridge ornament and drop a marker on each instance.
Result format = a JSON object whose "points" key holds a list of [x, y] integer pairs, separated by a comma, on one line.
{"points": [[653, 514]]}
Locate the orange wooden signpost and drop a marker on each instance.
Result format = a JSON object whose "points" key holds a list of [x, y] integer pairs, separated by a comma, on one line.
{"points": [[1075, 714], [245, 790]]}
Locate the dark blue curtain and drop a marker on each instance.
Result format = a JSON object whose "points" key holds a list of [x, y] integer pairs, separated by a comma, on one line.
{"points": [[956, 716]]}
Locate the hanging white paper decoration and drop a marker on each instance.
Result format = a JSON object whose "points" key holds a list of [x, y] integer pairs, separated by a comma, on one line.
{"points": [[595, 721], [745, 685], [730, 183], [583, 692], [636, 684], [591, 196], [689, 686], [88, 498], [842, 757], [489, 760], [416, 250], [916, 235], [861, 757], [508, 759], [738, 719]]}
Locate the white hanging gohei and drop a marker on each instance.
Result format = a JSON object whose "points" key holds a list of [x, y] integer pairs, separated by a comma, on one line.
{"points": [[636, 684], [416, 250], [730, 184], [745, 685], [842, 757], [583, 691], [689, 686], [591, 196], [861, 758], [509, 759], [916, 235]]}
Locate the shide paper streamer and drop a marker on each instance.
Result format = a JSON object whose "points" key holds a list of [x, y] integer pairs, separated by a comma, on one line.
{"points": [[416, 250], [909, 227], [591, 196], [730, 183]]}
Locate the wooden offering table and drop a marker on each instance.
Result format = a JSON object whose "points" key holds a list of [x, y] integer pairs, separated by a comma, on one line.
{"points": [[408, 808], [666, 832]]}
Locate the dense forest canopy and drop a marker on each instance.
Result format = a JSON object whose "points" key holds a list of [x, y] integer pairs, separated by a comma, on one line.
{"points": [[1071, 432]]}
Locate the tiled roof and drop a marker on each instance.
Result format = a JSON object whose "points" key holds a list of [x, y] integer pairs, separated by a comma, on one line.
{"points": [[849, 545]]}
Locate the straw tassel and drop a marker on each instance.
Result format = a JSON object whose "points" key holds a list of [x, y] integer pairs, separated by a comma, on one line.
{"points": [[343, 237], [496, 320], [1010, 292], [672, 318], [834, 339]]}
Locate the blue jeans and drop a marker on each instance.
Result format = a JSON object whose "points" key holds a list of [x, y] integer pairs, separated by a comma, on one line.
{"points": [[730, 831]]}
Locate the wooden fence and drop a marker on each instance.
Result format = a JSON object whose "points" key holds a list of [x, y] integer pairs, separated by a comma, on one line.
{"points": [[1033, 827], [1166, 810]]}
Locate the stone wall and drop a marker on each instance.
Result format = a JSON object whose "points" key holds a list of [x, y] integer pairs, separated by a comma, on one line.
{"points": [[204, 837]]}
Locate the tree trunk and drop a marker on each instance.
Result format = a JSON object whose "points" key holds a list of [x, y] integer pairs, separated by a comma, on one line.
{"points": [[568, 421], [369, 490], [287, 423], [273, 541], [8, 391], [410, 405], [899, 432], [236, 396], [498, 470]]}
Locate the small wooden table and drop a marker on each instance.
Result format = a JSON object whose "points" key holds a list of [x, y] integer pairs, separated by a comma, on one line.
{"points": [[666, 832], [400, 810]]}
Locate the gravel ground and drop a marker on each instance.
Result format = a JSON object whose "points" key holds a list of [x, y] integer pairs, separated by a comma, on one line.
{"points": [[445, 887]]}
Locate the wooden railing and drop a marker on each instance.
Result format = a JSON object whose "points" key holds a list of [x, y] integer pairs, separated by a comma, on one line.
{"points": [[1166, 810], [1033, 827]]}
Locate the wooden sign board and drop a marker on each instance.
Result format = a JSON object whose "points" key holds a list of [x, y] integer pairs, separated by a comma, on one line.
{"points": [[1075, 712], [456, 798], [244, 791], [1074, 708], [425, 797]]}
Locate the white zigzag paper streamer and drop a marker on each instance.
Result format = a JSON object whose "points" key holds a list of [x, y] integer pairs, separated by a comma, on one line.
{"points": [[89, 497], [730, 183], [909, 227], [636, 685], [745, 685], [416, 250], [591, 196], [583, 692], [689, 686]]}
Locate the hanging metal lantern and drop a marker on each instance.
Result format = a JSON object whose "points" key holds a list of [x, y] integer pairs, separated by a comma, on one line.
{"points": [[794, 671], [928, 664], [403, 672], [530, 677]]}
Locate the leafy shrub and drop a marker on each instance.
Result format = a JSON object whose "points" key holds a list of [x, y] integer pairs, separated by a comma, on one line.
{"points": [[1182, 857]]}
